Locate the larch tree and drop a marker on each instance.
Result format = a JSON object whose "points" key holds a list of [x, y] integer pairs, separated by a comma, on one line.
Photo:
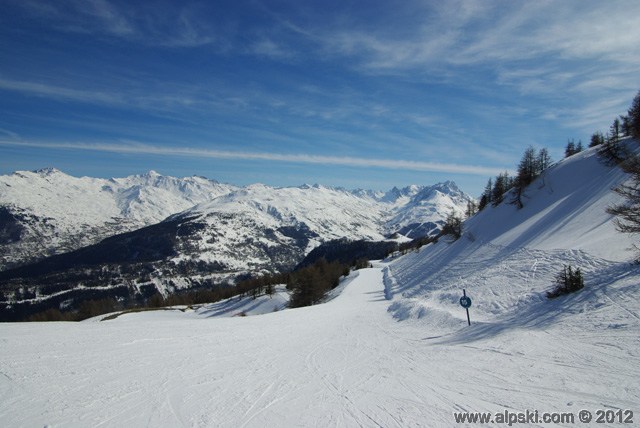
{"points": [[634, 117]]}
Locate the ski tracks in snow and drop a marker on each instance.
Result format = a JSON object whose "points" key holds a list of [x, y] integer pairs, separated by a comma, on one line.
{"points": [[346, 362]]}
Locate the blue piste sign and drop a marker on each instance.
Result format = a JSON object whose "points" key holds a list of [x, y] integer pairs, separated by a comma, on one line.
{"points": [[465, 302]]}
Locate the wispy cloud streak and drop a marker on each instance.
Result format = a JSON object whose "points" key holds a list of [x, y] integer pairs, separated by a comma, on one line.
{"points": [[349, 161], [58, 92]]}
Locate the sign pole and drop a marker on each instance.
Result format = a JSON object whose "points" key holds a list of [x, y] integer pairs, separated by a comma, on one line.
{"points": [[465, 302], [467, 309]]}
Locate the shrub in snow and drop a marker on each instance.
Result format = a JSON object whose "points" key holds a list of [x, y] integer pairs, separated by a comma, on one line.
{"points": [[567, 281], [452, 226]]}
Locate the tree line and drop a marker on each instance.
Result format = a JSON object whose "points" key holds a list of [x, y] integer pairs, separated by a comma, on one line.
{"points": [[532, 164], [308, 286]]}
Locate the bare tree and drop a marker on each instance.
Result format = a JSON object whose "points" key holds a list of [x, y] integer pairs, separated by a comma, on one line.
{"points": [[628, 212]]}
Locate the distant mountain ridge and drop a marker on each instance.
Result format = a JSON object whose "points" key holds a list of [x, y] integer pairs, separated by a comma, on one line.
{"points": [[48, 212]]}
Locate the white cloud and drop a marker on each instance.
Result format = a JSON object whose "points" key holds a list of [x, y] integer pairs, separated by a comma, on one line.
{"points": [[508, 36], [159, 25], [52, 91], [111, 19], [138, 148], [9, 133]]}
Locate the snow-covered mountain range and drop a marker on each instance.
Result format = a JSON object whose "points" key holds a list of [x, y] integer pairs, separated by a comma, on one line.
{"points": [[48, 212], [258, 218], [150, 232]]}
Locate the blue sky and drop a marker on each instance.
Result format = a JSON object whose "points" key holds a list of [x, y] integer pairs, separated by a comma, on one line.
{"points": [[367, 94]]}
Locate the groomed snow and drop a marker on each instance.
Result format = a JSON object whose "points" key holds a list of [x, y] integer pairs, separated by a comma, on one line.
{"points": [[343, 363]]}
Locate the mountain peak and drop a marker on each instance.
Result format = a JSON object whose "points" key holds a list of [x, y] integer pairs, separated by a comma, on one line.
{"points": [[45, 172], [448, 186]]}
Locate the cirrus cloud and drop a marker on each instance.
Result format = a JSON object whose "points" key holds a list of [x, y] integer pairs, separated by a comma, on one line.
{"points": [[147, 149]]}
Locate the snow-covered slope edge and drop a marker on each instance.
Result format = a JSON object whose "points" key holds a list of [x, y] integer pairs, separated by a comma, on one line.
{"points": [[507, 258]]}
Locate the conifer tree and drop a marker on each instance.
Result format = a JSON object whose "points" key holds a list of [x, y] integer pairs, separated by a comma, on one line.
{"points": [[543, 161], [612, 151], [269, 290], [614, 131], [501, 185], [472, 208], [570, 148], [485, 199], [452, 226], [596, 139], [527, 172], [628, 212], [625, 125], [528, 167], [634, 117]]}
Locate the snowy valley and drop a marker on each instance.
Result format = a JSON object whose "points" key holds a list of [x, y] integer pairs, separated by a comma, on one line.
{"points": [[391, 348]]}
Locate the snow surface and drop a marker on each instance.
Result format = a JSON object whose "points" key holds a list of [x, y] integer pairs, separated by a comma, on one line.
{"points": [[392, 349]]}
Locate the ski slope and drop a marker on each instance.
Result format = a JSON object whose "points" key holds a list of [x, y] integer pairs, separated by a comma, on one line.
{"points": [[343, 363], [393, 349]]}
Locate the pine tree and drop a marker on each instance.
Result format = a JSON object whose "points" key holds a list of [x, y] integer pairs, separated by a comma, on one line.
{"points": [[570, 148], [634, 117], [614, 131], [269, 290], [577, 282], [527, 172], [528, 167], [628, 212], [567, 281], [452, 226], [596, 139], [625, 126], [544, 160], [472, 208], [485, 199], [501, 185], [612, 151]]}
